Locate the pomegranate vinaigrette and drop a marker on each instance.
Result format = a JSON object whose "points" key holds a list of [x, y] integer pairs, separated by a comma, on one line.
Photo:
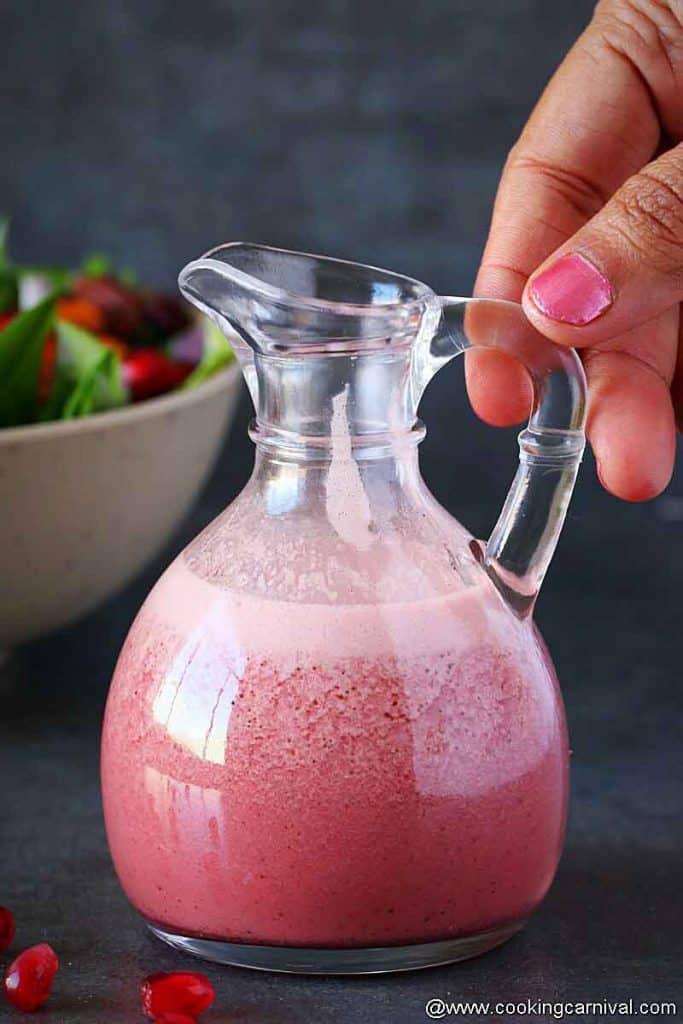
{"points": [[326, 776], [334, 741]]}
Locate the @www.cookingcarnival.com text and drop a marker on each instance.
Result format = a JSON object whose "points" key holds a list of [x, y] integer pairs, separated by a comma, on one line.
{"points": [[442, 1009]]}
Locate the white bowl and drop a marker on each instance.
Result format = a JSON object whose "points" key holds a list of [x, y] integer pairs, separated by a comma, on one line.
{"points": [[85, 503]]}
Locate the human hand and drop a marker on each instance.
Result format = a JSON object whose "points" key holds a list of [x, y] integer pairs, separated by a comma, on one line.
{"points": [[587, 231]]}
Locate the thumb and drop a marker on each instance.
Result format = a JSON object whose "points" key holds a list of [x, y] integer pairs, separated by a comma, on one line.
{"points": [[622, 268]]}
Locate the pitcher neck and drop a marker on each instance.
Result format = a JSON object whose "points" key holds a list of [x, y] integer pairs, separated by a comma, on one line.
{"points": [[320, 407], [291, 483]]}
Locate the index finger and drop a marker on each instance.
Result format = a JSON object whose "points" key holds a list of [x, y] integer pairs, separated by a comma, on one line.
{"points": [[595, 125]]}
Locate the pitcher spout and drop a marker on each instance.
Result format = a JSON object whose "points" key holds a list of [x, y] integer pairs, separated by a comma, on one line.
{"points": [[278, 302], [217, 285]]}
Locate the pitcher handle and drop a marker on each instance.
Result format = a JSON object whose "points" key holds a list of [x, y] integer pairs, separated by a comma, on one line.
{"points": [[524, 538]]}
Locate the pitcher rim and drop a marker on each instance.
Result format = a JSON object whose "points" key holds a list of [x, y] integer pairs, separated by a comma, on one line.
{"points": [[207, 261]]}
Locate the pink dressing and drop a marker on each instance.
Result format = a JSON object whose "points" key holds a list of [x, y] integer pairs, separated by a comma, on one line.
{"points": [[332, 775]]}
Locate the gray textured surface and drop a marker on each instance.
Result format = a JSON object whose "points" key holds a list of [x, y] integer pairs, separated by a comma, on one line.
{"points": [[153, 129]]}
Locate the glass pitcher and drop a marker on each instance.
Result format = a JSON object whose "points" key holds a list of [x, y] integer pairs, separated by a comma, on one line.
{"points": [[334, 741]]}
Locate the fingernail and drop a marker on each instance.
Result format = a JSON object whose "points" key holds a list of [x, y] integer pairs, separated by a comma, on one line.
{"points": [[571, 290]]}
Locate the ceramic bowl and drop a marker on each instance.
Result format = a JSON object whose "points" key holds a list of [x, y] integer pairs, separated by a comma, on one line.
{"points": [[85, 503]]}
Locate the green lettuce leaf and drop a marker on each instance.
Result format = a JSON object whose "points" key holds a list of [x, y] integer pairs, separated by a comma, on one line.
{"points": [[21, 353], [88, 376], [93, 393], [96, 265]]}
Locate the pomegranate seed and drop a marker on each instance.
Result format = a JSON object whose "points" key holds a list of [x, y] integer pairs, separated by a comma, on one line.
{"points": [[6, 928], [29, 978], [175, 1018], [176, 992]]}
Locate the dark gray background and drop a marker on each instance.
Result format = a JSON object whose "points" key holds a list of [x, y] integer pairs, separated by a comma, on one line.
{"points": [[368, 129], [375, 131]]}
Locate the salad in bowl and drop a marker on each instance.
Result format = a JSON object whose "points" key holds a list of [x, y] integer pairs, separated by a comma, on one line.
{"points": [[73, 343], [114, 404]]}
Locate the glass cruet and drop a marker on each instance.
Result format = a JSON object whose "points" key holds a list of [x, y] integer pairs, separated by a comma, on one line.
{"points": [[334, 741]]}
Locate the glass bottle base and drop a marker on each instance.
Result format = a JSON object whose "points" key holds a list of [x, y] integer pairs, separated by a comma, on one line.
{"points": [[371, 960]]}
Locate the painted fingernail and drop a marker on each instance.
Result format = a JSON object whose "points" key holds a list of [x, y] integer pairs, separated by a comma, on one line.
{"points": [[572, 290]]}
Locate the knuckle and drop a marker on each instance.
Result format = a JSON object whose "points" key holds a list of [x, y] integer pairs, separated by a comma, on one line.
{"points": [[646, 33], [654, 23], [570, 186], [648, 211]]}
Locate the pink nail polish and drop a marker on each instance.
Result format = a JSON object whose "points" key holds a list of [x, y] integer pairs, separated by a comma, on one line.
{"points": [[572, 290]]}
